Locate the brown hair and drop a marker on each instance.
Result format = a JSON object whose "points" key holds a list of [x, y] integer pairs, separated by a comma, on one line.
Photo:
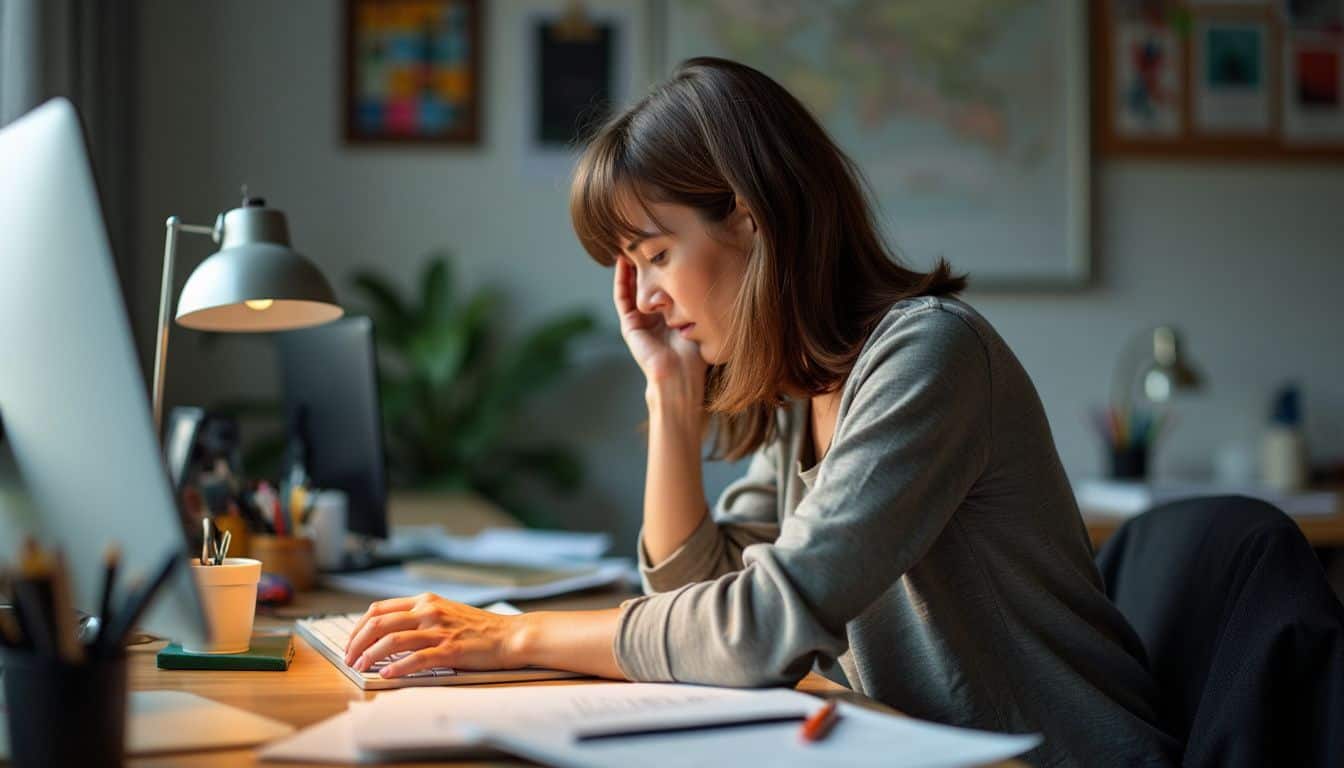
{"points": [[820, 276]]}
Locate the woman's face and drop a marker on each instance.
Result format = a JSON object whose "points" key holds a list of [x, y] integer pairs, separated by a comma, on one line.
{"points": [[691, 275]]}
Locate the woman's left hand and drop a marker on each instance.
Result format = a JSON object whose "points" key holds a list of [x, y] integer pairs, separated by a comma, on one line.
{"points": [[438, 632]]}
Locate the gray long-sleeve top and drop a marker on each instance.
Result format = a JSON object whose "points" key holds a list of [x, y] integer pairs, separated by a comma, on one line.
{"points": [[936, 552]]}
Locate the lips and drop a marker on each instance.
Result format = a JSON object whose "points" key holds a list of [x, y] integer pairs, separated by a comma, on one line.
{"points": [[684, 330]]}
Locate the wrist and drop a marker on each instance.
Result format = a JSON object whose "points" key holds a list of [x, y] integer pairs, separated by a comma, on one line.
{"points": [[521, 640], [674, 399]]}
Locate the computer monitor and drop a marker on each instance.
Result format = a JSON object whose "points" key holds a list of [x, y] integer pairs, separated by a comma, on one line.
{"points": [[84, 467], [330, 380]]}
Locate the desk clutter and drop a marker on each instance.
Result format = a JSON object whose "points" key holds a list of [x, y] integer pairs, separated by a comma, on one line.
{"points": [[70, 675], [623, 724], [163, 722]]}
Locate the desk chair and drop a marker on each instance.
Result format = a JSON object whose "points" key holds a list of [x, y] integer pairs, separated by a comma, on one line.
{"points": [[1243, 633]]}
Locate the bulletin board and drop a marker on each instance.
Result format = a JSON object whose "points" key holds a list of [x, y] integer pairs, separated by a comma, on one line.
{"points": [[1226, 79]]}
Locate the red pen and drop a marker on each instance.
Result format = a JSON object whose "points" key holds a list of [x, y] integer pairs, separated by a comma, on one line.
{"points": [[819, 723]]}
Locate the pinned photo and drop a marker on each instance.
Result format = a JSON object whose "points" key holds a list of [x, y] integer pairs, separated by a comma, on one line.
{"points": [[1231, 84], [1313, 88], [1147, 81]]}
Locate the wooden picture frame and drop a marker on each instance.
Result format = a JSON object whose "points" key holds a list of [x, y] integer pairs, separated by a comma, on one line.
{"points": [[413, 72], [1178, 132]]}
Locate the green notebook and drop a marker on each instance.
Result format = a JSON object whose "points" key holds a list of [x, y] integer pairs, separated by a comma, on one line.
{"points": [[268, 652]]}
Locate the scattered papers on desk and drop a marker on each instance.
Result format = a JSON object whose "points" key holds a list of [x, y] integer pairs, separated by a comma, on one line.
{"points": [[542, 723], [160, 722], [516, 546], [329, 741], [395, 581], [1124, 499]]}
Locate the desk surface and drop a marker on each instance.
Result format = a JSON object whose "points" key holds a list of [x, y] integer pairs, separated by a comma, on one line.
{"points": [[1321, 531], [313, 689]]}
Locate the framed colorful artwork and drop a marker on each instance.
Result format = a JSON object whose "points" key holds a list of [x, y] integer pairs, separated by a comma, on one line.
{"points": [[412, 71]]}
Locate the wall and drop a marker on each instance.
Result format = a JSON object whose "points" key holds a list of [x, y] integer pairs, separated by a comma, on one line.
{"points": [[1246, 259]]}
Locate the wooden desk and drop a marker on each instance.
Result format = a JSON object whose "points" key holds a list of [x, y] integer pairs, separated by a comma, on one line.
{"points": [[1321, 531], [313, 689]]}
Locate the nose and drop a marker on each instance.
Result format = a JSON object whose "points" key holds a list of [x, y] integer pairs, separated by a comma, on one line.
{"points": [[650, 298]]}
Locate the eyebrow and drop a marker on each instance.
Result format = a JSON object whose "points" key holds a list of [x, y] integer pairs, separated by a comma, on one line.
{"points": [[641, 237]]}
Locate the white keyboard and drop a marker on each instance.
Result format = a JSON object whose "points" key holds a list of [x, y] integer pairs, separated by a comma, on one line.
{"points": [[329, 634]]}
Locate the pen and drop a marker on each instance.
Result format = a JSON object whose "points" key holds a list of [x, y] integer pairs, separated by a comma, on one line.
{"points": [[63, 613], [140, 600], [819, 723], [111, 559]]}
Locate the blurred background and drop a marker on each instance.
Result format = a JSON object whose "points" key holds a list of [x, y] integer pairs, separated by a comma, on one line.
{"points": [[1100, 169]]}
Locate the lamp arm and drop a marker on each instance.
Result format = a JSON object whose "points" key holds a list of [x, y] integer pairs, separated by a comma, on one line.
{"points": [[173, 225]]}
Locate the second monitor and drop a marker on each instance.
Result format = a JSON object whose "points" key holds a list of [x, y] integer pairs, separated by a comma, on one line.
{"points": [[330, 380]]}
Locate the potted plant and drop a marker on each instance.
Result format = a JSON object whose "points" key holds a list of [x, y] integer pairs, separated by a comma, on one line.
{"points": [[452, 391]]}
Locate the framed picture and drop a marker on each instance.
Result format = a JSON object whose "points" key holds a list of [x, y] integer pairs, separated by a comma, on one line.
{"points": [[976, 147], [413, 71], [581, 64]]}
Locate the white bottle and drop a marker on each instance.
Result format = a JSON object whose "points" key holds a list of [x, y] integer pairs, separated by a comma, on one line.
{"points": [[1283, 451]]}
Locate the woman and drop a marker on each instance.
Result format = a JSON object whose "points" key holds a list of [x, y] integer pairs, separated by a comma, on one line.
{"points": [[904, 516]]}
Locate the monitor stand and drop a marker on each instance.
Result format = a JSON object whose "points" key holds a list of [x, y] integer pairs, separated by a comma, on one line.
{"points": [[364, 557]]}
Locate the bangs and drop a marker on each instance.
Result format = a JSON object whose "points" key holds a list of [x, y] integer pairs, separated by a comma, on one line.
{"points": [[603, 185]]}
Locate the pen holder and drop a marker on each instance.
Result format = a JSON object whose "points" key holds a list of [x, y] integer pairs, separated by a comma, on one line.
{"points": [[65, 714], [1129, 462], [229, 595], [289, 556], [240, 535]]}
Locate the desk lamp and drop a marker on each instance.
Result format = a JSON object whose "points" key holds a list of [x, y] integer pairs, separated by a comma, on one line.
{"points": [[255, 283], [1160, 372]]}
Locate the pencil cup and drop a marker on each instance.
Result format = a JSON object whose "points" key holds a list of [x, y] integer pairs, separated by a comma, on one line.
{"points": [[288, 556], [328, 525], [65, 714], [229, 596], [1129, 462]]}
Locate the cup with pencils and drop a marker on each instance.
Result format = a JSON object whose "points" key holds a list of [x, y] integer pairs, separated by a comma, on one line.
{"points": [[62, 676], [1129, 435]]}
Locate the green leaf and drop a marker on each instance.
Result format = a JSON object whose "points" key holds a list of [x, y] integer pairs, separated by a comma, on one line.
{"points": [[437, 353], [392, 320], [436, 291], [542, 356]]}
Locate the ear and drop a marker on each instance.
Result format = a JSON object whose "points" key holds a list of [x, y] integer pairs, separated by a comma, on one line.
{"points": [[744, 219]]}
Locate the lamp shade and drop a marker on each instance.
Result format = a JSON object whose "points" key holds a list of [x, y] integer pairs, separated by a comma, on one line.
{"points": [[256, 282], [1169, 371]]}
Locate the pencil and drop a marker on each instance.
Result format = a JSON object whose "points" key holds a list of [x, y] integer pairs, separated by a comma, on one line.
{"points": [[141, 600], [819, 723], [111, 559], [63, 613]]}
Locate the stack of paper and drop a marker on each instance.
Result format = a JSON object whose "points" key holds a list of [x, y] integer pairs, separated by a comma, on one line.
{"points": [[579, 725], [574, 561], [1125, 498]]}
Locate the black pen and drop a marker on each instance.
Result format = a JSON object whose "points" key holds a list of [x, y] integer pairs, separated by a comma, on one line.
{"points": [[111, 558], [139, 602]]}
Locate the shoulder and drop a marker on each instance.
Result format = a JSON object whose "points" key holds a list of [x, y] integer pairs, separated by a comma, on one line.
{"points": [[928, 333]]}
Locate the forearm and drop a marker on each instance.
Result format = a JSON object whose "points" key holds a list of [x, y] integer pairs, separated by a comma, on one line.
{"points": [[674, 500], [578, 641]]}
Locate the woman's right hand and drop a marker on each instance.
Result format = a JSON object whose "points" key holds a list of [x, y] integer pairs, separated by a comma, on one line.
{"points": [[667, 359]]}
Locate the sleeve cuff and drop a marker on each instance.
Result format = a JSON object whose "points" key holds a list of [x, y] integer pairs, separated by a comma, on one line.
{"points": [[640, 645], [693, 561]]}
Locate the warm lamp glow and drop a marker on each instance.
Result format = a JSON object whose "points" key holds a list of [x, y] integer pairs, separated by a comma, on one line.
{"points": [[259, 304]]}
